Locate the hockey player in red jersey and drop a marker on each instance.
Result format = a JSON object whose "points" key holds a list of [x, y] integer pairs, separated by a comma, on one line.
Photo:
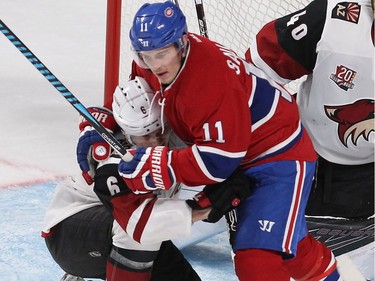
{"points": [[232, 116], [79, 228], [332, 42]]}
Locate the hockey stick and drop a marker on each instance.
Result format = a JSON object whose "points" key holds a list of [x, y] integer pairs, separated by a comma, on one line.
{"points": [[201, 18], [107, 136], [200, 15], [341, 236]]}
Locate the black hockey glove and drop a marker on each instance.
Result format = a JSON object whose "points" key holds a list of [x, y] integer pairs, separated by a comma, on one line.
{"points": [[222, 197]]}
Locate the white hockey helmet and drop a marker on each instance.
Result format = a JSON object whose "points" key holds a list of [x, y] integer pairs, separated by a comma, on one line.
{"points": [[134, 109]]}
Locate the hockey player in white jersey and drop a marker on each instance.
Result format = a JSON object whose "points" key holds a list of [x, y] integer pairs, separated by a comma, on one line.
{"points": [[76, 210], [332, 43], [84, 239]]}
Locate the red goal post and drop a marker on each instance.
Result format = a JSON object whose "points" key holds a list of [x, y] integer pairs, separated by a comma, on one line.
{"points": [[233, 23]]}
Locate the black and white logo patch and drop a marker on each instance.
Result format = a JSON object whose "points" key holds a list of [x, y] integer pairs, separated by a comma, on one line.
{"points": [[347, 11]]}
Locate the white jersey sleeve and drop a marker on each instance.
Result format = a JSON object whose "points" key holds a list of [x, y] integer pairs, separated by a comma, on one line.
{"points": [[71, 196]]}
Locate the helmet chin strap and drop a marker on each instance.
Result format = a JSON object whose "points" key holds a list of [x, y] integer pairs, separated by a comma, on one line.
{"points": [[161, 102]]}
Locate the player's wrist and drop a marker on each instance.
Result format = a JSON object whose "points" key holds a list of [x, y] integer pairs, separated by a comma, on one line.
{"points": [[199, 215]]}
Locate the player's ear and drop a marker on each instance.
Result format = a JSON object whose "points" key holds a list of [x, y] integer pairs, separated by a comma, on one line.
{"points": [[185, 41], [185, 38]]}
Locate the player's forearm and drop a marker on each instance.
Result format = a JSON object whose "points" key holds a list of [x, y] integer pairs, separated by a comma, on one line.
{"points": [[199, 165], [199, 215], [169, 219]]}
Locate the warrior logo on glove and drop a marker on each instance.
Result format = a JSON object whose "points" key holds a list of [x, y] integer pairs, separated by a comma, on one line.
{"points": [[156, 168], [149, 169]]}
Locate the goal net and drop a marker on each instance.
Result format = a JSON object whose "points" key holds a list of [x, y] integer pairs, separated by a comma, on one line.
{"points": [[233, 23]]}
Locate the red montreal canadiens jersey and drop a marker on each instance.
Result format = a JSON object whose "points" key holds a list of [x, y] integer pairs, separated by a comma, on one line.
{"points": [[229, 113], [334, 40]]}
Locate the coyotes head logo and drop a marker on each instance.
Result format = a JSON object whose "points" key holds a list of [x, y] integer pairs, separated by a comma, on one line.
{"points": [[354, 120]]}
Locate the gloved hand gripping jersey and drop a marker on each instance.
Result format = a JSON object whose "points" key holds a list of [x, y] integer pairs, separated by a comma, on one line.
{"points": [[223, 197], [149, 169]]}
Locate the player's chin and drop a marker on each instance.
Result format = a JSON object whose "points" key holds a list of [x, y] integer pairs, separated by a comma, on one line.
{"points": [[165, 78]]}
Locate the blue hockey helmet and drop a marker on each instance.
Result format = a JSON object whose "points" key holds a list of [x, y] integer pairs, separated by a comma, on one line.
{"points": [[157, 25]]}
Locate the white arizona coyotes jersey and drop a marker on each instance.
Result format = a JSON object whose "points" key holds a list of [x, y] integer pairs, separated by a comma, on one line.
{"points": [[337, 101], [170, 218], [331, 42], [74, 195]]}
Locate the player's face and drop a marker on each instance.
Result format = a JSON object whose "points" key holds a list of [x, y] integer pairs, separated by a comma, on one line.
{"points": [[152, 139], [164, 62]]}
